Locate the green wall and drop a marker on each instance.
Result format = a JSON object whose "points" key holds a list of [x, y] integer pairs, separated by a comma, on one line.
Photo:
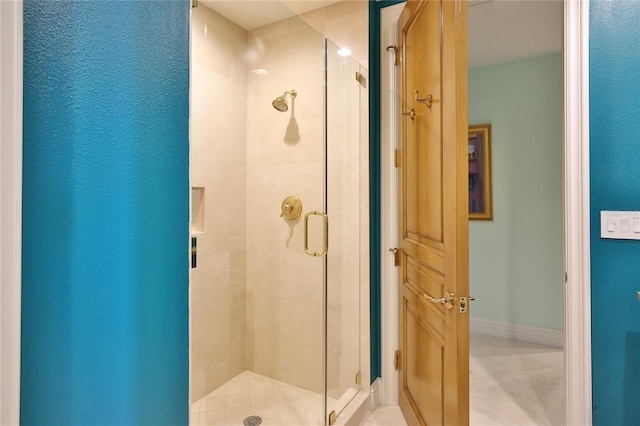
{"points": [[515, 267]]}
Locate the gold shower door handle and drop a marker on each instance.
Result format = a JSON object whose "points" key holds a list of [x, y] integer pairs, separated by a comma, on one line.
{"points": [[325, 219]]}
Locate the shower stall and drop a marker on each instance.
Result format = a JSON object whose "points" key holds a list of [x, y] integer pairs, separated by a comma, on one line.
{"points": [[279, 226]]}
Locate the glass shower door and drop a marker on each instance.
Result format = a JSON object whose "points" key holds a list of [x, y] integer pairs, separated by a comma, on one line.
{"points": [[345, 81], [286, 158]]}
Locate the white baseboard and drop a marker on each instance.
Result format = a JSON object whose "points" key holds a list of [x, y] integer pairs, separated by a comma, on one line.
{"points": [[374, 396], [525, 333]]}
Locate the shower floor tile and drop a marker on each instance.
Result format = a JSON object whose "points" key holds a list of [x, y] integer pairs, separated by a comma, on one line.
{"points": [[251, 394]]}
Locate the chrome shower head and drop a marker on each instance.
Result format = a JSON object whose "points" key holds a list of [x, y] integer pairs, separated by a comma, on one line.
{"points": [[280, 103]]}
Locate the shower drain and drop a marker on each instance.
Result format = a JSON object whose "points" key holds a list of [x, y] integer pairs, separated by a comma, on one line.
{"points": [[252, 421]]}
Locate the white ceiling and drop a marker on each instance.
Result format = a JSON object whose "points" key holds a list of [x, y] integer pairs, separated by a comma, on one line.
{"points": [[509, 30], [250, 14], [499, 30]]}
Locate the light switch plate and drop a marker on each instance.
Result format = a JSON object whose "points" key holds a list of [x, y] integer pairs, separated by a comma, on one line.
{"points": [[620, 225]]}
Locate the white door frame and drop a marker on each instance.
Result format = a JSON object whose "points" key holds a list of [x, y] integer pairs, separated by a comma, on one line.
{"points": [[10, 208], [389, 208], [577, 254], [577, 335]]}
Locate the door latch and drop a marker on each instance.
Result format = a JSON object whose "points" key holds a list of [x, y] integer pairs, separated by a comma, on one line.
{"points": [[464, 303]]}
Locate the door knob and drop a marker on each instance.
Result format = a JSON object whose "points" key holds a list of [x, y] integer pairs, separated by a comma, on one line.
{"points": [[447, 300]]}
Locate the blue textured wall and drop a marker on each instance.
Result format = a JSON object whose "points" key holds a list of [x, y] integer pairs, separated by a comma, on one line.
{"points": [[615, 185], [105, 213]]}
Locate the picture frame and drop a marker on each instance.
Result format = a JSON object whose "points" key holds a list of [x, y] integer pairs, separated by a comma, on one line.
{"points": [[479, 152]]}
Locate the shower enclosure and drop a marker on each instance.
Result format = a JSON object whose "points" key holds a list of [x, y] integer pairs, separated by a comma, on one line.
{"points": [[278, 177]]}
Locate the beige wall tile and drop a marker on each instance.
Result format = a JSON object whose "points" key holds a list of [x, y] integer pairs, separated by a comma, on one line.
{"points": [[218, 163]]}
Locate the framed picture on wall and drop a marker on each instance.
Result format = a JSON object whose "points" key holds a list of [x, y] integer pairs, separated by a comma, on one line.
{"points": [[480, 172]]}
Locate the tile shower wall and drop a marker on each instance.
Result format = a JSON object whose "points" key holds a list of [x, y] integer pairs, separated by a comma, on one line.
{"points": [[218, 163], [285, 157]]}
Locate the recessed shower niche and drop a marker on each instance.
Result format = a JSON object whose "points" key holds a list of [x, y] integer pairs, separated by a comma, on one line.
{"points": [[275, 329], [197, 209]]}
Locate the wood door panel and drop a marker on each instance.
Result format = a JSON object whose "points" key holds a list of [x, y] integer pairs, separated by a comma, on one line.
{"points": [[427, 251], [433, 213], [426, 280], [433, 320], [423, 240], [424, 374], [423, 150]]}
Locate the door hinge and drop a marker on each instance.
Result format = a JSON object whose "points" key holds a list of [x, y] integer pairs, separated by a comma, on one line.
{"points": [[394, 50], [397, 158], [332, 417], [361, 79], [358, 378], [396, 256], [396, 361], [396, 54], [194, 4]]}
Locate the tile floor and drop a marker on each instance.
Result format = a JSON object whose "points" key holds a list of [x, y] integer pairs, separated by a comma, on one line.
{"points": [[511, 383], [249, 394]]}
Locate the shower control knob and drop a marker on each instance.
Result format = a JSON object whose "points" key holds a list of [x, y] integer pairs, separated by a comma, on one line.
{"points": [[291, 208]]}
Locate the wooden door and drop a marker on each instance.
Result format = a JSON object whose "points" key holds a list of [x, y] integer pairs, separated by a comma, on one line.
{"points": [[433, 213]]}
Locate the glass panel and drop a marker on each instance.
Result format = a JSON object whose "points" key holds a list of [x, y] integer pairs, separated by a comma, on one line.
{"points": [[344, 209]]}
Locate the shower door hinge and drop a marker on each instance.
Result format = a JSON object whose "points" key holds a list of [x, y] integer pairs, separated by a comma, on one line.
{"points": [[361, 79], [358, 378], [332, 417], [396, 361], [397, 158], [194, 4]]}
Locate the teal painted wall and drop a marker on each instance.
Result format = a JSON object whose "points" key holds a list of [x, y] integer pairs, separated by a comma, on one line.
{"points": [[105, 213], [515, 267], [614, 70]]}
